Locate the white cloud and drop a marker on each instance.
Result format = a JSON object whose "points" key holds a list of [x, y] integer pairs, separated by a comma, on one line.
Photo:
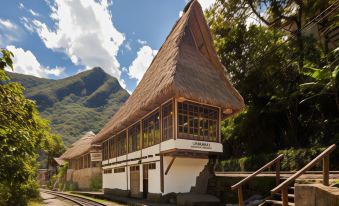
{"points": [[141, 63], [142, 42], [128, 46], [21, 6], [9, 32], [33, 13], [205, 4], [25, 62], [180, 13], [252, 20], [85, 32], [7, 24], [27, 24]]}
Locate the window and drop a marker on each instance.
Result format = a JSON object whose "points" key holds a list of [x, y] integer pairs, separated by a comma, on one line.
{"points": [[197, 122], [111, 148], [104, 150], [96, 164], [134, 168], [150, 166], [151, 130], [119, 170], [167, 121], [121, 146], [134, 138], [86, 159], [107, 171]]}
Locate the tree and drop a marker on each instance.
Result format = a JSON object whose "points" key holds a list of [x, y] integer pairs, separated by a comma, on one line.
{"points": [[265, 63], [22, 132]]}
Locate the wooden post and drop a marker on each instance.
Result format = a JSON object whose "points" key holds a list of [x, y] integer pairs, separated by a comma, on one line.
{"points": [[277, 172], [326, 167], [162, 173], [284, 196], [240, 197]]}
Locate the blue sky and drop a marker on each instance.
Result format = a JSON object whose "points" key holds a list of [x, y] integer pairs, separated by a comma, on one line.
{"points": [[58, 38]]}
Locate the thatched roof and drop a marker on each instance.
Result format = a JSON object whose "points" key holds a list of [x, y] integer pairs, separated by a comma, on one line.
{"points": [[186, 66], [80, 147], [59, 161]]}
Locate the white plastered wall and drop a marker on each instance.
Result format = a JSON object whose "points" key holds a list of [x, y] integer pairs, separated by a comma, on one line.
{"points": [[115, 181], [154, 179], [182, 174]]}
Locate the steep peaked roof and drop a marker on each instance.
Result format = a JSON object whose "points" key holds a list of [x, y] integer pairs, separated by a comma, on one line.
{"points": [[186, 66], [80, 147]]}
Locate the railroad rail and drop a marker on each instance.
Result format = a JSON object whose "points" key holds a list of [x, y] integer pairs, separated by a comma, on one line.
{"points": [[74, 198]]}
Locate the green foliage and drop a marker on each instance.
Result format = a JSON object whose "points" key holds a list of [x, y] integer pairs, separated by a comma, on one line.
{"points": [[294, 159], [76, 104], [289, 83], [22, 133], [95, 183], [51, 182]]}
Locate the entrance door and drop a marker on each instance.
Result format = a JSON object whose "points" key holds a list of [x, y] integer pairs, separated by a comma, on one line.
{"points": [[135, 181], [145, 180]]}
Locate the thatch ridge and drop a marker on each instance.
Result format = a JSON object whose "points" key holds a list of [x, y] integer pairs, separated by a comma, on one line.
{"points": [[182, 68]]}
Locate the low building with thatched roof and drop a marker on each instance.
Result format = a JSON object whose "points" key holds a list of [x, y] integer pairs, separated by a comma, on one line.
{"points": [[161, 139], [84, 161]]}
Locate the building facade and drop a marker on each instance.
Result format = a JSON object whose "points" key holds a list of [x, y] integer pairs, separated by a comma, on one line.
{"points": [[164, 138], [84, 162]]}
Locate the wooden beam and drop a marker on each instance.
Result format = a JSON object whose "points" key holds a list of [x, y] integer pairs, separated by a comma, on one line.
{"points": [[162, 173], [170, 165]]}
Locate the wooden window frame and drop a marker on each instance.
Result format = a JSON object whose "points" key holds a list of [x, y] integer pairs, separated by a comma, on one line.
{"points": [[195, 116]]}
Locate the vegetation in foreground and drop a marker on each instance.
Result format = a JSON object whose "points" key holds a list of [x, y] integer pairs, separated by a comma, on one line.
{"points": [[288, 78], [23, 134]]}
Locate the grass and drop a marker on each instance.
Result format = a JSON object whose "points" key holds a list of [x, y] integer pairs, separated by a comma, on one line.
{"points": [[35, 203]]}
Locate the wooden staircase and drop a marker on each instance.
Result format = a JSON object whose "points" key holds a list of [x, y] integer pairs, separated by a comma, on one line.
{"points": [[283, 193], [276, 199]]}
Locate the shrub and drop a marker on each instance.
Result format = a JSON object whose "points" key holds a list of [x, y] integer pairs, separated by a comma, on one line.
{"points": [[96, 183], [294, 159]]}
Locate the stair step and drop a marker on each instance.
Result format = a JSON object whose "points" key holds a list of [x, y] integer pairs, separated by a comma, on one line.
{"points": [[278, 202], [262, 204], [290, 196]]}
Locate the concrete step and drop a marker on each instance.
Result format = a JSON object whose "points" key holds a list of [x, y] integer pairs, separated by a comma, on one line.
{"points": [[278, 202]]}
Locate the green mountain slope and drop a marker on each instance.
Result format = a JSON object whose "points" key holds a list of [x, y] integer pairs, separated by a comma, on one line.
{"points": [[76, 104]]}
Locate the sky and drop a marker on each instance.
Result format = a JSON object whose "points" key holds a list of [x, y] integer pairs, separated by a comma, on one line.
{"points": [[59, 38]]}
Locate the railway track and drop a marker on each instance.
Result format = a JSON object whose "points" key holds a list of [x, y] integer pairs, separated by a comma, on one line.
{"points": [[76, 199]]}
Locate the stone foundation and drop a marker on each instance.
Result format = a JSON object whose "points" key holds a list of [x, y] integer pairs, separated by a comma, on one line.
{"points": [[116, 192], [316, 195]]}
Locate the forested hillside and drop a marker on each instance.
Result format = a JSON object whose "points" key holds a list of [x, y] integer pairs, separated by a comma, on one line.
{"points": [[77, 104], [282, 56]]}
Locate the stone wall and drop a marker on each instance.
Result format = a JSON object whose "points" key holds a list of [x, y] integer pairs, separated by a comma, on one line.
{"points": [[83, 177], [316, 195]]}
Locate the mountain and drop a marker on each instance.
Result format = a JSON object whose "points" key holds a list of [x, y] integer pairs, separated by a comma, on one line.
{"points": [[77, 104]]}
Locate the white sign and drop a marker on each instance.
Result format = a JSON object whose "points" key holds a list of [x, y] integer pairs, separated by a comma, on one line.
{"points": [[96, 157], [201, 145]]}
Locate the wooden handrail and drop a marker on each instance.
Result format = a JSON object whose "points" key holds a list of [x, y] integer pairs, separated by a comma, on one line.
{"points": [[243, 181], [323, 156], [238, 186]]}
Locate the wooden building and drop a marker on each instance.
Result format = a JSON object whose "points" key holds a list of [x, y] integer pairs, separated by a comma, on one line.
{"points": [[161, 139], [84, 161]]}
